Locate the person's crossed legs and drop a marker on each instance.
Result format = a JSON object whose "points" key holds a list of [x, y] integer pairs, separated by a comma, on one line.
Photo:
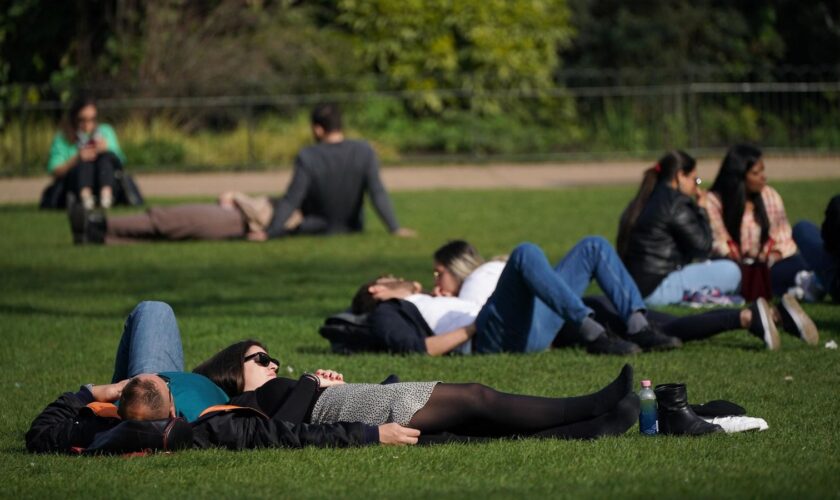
{"points": [[532, 300]]}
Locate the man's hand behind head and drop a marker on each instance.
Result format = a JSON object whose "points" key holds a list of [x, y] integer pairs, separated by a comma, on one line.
{"points": [[393, 288]]}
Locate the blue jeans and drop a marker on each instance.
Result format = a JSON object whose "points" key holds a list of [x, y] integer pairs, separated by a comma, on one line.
{"points": [[150, 343], [809, 240], [722, 274], [532, 300]]}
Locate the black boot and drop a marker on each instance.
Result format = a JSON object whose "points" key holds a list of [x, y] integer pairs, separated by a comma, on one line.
{"points": [[675, 416], [96, 227], [88, 226]]}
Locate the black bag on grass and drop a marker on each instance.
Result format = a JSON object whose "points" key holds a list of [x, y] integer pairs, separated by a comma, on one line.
{"points": [[126, 190], [394, 326], [54, 196], [349, 333]]}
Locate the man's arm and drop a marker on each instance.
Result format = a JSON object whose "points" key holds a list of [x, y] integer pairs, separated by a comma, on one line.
{"points": [[290, 201], [379, 197], [246, 430], [59, 426]]}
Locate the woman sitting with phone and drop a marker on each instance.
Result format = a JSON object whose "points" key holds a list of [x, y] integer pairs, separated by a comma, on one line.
{"points": [[84, 157]]}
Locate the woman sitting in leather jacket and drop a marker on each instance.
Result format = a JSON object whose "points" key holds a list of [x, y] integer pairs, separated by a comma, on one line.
{"points": [[664, 236]]}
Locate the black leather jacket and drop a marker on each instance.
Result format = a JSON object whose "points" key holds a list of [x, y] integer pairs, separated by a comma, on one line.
{"points": [[63, 426], [670, 232]]}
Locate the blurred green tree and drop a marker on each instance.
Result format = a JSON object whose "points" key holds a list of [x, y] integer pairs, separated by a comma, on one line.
{"points": [[475, 46]]}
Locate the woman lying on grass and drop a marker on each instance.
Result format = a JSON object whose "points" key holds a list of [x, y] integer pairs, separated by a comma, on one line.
{"points": [[317, 410], [247, 373], [521, 304], [461, 272]]}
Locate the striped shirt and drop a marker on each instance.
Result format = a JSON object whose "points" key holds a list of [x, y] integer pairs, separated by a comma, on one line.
{"points": [[780, 231]]}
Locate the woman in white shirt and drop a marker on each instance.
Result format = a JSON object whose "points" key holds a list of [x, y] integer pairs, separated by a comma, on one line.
{"points": [[524, 301]]}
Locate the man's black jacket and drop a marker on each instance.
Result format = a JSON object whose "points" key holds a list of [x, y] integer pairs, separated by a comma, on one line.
{"points": [[63, 426]]}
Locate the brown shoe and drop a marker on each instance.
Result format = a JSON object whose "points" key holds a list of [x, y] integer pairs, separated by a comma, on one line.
{"points": [[796, 322]]}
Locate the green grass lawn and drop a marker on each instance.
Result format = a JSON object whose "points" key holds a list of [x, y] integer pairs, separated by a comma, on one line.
{"points": [[62, 309]]}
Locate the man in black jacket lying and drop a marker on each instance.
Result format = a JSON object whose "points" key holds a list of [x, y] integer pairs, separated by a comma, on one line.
{"points": [[150, 385]]}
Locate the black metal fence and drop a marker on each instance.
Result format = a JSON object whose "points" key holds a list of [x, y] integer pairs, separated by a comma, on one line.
{"points": [[265, 131]]}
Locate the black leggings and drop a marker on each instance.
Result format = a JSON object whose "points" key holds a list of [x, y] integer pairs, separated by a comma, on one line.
{"points": [[478, 410], [460, 411], [94, 175], [691, 327]]}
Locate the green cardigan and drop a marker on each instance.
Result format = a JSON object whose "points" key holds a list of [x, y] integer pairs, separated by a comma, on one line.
{"points": [[61, 150]]}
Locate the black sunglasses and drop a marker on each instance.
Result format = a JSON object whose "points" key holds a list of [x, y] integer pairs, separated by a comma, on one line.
{"points": [[262, 359]]}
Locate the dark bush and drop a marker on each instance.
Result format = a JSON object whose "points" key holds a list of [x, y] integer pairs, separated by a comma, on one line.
{"points": [[154, 153]]}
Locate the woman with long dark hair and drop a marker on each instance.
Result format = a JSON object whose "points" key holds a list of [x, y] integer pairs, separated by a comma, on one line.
{"points": [[664, 236], [460, 271], [247, 373], [748, 218], [749, 225], [85, 154]]}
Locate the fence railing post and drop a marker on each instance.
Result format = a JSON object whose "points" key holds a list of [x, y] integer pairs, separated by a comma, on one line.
{"points": [[249, 117], [23, 139], [693, 116]]}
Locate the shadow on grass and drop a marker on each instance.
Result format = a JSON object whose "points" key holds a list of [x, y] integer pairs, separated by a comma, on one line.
{"points": [[311, 349], [43, 311], [213, 284]]}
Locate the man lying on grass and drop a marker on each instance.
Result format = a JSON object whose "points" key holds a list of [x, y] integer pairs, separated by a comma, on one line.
{"points": [[325, 196], [264, 410], [150, 384], [525, 305]]}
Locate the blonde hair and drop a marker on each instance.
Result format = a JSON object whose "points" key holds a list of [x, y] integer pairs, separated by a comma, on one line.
{"points": [[459, 258]]}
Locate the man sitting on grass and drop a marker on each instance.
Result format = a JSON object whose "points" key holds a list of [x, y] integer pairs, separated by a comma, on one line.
{"points": [[325, 196]]}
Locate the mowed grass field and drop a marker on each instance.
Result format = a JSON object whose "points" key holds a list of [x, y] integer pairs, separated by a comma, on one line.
{"points": [[62, 309]]}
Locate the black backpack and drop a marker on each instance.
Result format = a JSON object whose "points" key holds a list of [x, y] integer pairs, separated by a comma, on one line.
{"points": [[349, 333], [395, 326]]}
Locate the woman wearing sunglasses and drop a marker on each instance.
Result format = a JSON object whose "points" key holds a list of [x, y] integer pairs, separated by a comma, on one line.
{"points": [[248, 374], [664, 236]]}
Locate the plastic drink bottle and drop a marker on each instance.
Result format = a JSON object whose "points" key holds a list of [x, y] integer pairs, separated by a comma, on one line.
{"points": [[647, 412]]}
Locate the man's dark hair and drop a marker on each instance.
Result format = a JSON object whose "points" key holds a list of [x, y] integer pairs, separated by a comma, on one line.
{"points": [[143, 394], [327, 116], [363, 301], [225, 368]]}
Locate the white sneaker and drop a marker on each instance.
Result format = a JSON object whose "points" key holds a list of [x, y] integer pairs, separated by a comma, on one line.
{"points": [[809, 286]]}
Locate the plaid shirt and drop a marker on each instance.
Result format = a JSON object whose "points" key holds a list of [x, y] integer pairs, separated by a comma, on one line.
{"points": [[780, 231]]}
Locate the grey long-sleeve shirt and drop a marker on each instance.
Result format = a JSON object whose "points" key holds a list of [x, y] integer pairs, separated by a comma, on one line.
{"points": [[328, 186]]}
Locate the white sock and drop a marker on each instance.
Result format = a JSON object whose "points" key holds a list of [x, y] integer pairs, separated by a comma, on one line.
{"points": [[88, 202]]}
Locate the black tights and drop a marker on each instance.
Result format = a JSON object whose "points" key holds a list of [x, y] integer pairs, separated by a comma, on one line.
{"points": [[95, 175], [691, 327], [478, 410]]}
